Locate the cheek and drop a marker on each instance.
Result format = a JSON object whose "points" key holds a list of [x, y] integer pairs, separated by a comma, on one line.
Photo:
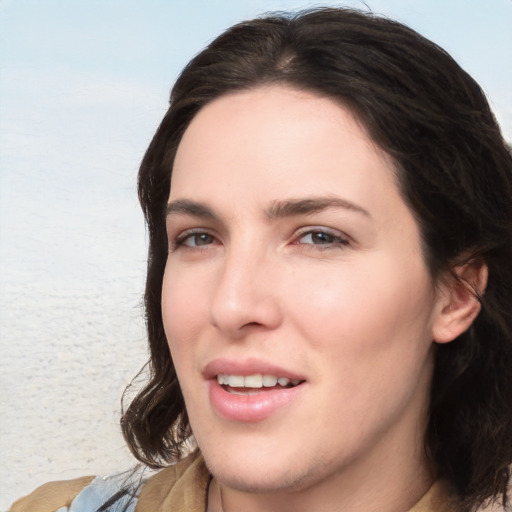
{"points": [[182, 307], [370, 335], [369, 311]]}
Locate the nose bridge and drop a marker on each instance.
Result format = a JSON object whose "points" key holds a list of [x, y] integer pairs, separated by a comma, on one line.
{"points": [[244, 295]]}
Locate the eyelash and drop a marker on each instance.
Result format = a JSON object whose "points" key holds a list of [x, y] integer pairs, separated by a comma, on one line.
{"points": [[335, 241]]}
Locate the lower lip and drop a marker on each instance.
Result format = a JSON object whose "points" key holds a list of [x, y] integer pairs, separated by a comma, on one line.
{"points": [[251, 408]]}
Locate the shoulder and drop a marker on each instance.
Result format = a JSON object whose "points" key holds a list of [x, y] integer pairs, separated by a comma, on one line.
{"points": [[183, 486], [184, 483], [81, 495], [51, 496], [85, 494]]}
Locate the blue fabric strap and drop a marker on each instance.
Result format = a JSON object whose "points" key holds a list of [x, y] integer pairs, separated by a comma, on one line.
{"points": [[99, 491]]}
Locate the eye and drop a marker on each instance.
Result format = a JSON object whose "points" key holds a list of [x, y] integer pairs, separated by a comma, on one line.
{"points": [[321, 237], [193, 240]]}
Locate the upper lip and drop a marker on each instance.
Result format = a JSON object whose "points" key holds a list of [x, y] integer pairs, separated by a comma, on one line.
{"points": [[247, 367]]}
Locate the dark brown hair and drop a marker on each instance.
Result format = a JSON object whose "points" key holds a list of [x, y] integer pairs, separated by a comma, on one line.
{"points": [[455, 173]]}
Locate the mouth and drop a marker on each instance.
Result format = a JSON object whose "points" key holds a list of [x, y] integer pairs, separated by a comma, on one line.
{"points": [[252, 390], [254, 384]]}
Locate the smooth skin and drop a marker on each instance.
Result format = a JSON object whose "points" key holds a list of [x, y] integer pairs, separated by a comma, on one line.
{"points": [[295, 248]]}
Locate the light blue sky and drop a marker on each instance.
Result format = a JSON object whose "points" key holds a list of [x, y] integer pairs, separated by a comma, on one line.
{"points": [[149, 41]]}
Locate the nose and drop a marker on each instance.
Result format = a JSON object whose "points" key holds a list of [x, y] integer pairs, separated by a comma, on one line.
{"points": [[245, 297]]}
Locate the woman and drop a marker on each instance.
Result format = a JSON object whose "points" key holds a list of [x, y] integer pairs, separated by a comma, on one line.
{"points": [[329, 291]]}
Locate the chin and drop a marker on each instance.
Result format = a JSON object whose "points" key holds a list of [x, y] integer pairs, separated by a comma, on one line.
{"points": [[260, 483], [257, 475]]}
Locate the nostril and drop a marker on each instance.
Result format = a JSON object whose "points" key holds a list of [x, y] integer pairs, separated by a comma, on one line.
{"points": [[252, 324]]}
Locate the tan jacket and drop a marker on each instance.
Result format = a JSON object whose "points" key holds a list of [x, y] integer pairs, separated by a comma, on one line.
{"points": [[179, 488]]}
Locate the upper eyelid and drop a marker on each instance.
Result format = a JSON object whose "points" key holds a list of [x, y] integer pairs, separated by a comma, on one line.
{"points": [[318, 227], [301, 230], [177, 223], [183, 234], [176, 232], [192, 231], [323, 229]]}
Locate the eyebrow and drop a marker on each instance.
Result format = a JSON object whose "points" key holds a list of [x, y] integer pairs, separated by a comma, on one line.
{"points": [[291, 207], [278, 209], [187, 207]]}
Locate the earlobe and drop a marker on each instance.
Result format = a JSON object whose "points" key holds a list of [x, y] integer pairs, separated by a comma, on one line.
{"points": [[459, 301]]}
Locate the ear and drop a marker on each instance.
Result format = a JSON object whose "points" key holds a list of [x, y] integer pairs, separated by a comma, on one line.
{"points": [[458, 301]]}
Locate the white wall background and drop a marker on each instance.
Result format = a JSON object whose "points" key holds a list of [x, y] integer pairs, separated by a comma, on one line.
{"points": [[83, 85]]}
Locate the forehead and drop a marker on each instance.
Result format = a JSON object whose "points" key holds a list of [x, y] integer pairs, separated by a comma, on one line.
{"points": [[263, 112], [277, 122], [272, 143]]}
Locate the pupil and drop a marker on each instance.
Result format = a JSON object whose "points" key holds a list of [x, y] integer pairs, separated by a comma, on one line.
{"points": [[321, 238], [202, 239]]}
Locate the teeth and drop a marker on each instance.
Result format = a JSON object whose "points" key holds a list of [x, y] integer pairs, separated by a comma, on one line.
{"points": [[236, 381], [269, 381], [254, 381]]}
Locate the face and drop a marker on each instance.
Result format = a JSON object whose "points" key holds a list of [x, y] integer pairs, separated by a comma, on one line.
{"points": [[296, 302]]}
